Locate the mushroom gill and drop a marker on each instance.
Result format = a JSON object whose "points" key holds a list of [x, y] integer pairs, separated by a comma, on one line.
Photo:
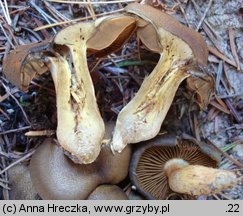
{"points": [[147, 171]]}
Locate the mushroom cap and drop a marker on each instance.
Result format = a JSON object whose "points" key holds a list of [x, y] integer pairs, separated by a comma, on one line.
{"points": [[21, 186], [147, 165], [111, 34], [108, 192], [55, 176], [24, 63], [162, 20]]}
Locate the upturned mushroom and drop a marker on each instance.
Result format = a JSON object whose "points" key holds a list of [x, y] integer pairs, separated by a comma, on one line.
{"points": [[55, 176], [80, 128], [166, 164], [183, 54]]}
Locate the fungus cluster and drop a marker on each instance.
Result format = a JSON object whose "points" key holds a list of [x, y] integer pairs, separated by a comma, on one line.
{"points": [[77, 166]]}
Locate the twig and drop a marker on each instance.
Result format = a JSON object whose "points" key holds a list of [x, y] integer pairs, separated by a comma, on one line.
{"points": [[184, 13], [15, 130], [53, 9], [233, 110], [75, 20], [225, 196], [204, 15], [6, 35], [230, 95], [17, 161], [4, 186], [219, 107], [234, 161], [233, 47], [5, 114], [205, 21], [44, 14], [219, 75], [90, 9], [97, 2], [6, 12], [40, 133], [186, 136], [17, 102], [221, 56]]}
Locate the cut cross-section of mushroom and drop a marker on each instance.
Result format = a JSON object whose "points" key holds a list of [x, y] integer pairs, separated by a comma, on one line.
{"points": [[181, 50], [161, 165], [80, 126]]}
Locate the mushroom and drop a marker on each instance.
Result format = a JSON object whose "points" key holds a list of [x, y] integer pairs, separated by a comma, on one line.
{"points": [[80, 128], [21, 187], [108, 192], [55, 176], [24, 63], [166, 164], [183, 54]]}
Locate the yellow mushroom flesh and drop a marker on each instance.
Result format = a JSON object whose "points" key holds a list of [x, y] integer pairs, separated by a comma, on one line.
{"points": [[80, 128], [143, 116], [197, 180]]}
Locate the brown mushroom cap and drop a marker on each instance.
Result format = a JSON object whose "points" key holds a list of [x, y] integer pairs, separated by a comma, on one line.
{"points": [[107, 192], [24, 63], [148, 161], [170, 24], [111, 34], [21, 186], [55, 176]]}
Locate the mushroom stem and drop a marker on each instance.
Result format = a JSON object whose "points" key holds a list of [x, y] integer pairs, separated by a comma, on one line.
{"points": [[142, 117], [196, 179], [80, 126]]}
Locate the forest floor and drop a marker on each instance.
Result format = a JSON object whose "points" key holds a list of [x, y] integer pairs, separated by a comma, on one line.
{"points": [[118, 77]]}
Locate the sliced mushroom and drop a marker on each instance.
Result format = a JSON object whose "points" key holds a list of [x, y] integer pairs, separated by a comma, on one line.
{"points": [[55, 176], [182, 51], [107, 192], [80, 127], [166, 163]]}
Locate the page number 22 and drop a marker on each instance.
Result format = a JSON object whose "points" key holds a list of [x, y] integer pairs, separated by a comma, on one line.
{"points": [[233, 208]]}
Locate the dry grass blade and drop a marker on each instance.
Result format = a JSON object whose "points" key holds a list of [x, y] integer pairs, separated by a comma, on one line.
{"points": [[226, 155], [233, 47], [6, 12], [17, 161], [76, 20], [15, 130], [204, 15], [40, 133], [89, 2], [221, 56], [17, 102], [6, 35]]}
